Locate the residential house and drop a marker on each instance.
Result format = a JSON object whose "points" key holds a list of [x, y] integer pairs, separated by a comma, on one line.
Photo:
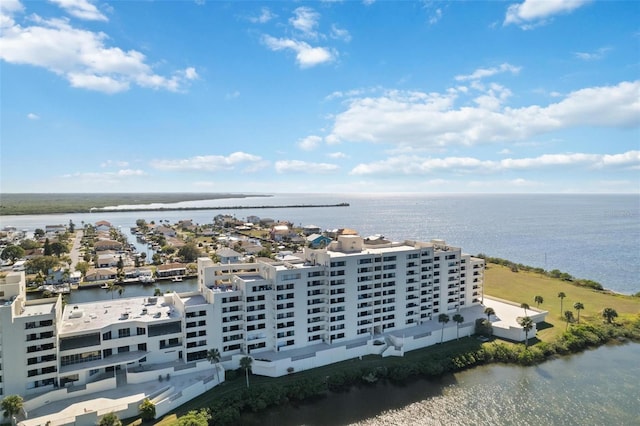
{"points": [[101, 274], [107, 260], [227, 255], [103, 245], [165, 231], [318, 241], [102, 225], [171, 270], [310, 229]]}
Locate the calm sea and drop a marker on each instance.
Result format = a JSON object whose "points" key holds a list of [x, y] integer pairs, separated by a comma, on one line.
{"points": [[588, 236]]}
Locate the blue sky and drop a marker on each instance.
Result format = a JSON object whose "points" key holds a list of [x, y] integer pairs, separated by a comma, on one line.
{"points": [[333, 96]]}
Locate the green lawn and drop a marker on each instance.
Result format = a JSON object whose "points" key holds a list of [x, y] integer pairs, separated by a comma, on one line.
{"points": [[522, 287]]}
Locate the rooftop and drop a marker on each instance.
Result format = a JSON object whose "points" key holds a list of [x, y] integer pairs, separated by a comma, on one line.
{"points": [[93, 316]]}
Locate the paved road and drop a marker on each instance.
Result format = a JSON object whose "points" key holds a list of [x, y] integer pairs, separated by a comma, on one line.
{"points": [[74, 254]]}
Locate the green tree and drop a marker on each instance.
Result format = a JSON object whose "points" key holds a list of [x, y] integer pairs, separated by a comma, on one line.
{"points": [[568, 316], [213, 356], [444, 319], [189, 252], [47, 248], [195, 418], [38, 233], [110, 419], [112, 287], [245, 363], [120, 264], [12, 404], [72, 226], [578, 306], [82, 267], [525, 306], [157, 292], [147, 409], [58, 248], [29, 244], [458, 319], [538, 300], [609, 314], [561, 295], [527, 324], [42, 264], [488, 311], [12, 253]]}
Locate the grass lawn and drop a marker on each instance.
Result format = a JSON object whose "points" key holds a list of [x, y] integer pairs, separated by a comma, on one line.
{"points": [[522, 287]]}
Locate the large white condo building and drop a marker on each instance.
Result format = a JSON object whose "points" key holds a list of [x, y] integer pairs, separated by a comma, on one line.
{"points": [[355, 297]]}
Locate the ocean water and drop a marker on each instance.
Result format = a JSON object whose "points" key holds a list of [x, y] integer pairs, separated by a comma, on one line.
{"points": [[589, 236]]}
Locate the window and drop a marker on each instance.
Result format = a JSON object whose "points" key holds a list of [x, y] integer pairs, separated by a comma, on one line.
{"points": [[142, 347], [123, 349], [141, 331], [124, 332]]}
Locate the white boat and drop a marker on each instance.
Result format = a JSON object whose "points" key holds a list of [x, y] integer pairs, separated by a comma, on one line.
{"points": [[177, 279], [146, 279]]}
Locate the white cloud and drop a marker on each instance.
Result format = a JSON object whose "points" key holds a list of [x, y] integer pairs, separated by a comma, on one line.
{"points": [[211, 163], [368, 2], [481, 73], [105, 177], [112, 163], [265, 16], [592, 56], [82, 57], [297, 166], [429, 120], [532, 13], [435, 16], [32, 116], [414, 165], [504, 151], [306, 55], [305, 20], [82, 9], [10, 7], [337, 155], [232, 95], [310, 142], [340, 34]]}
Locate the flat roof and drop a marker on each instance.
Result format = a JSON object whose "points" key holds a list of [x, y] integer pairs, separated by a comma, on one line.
{"points": [[94, 316], [37, 308]]}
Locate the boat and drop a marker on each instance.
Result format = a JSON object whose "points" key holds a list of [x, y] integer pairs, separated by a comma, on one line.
{"points": [[146, 279], [105, 286], [176, 279]]}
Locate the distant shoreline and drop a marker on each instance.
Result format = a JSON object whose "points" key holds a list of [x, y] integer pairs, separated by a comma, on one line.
{"points": [[165, 209], [59, 203]]}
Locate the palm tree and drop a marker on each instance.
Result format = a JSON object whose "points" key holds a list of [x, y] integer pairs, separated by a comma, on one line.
{"points": [[578, 306], [527, 324], [213, 356], [561, 295], [12, 404], [245, 363], [113, 287], [538, 300], [458, 319], [609, 314], [443, 318], [524, 306], [568, 316], [489, 311]]}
